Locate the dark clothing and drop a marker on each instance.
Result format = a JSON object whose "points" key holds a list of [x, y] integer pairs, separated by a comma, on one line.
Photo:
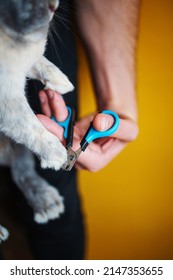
{"points": [[62, 238]]}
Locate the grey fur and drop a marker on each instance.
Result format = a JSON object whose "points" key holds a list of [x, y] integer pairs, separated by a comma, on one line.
{"points": [[24, 16]]}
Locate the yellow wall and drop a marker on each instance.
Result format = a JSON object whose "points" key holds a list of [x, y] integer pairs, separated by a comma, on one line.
{"points": [[129, 205]]}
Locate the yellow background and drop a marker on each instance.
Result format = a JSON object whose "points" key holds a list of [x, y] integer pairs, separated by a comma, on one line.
{"points": [[128, 206]]}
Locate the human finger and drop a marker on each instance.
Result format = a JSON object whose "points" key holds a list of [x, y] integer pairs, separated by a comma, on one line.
{"points": [[57, 105], [103, 122], [51, 126], [127, 131], [45, 107], [101, 159]]}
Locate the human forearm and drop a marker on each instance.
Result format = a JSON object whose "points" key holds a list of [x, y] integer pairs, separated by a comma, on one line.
{"points": [[109, 30]]}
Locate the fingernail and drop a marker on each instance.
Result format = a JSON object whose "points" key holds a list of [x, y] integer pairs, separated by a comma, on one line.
{"points": [[105, 123], [42, 99], [50, 94]]}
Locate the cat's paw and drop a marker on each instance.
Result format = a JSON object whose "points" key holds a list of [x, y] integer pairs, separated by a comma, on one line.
{"points": [[57, 81], [3, 233], [49, 205], [51, 76], [52, 153]]}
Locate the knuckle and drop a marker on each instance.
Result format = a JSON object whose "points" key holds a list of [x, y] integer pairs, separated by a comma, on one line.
{"points": [[134, 133], [93, 169]]}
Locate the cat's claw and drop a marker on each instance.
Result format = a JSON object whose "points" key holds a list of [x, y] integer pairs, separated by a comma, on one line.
{"points": [[52, 212], [4, 234]]}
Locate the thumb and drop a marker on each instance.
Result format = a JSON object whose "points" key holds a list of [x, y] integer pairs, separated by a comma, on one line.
{"points": [[103, 122]]}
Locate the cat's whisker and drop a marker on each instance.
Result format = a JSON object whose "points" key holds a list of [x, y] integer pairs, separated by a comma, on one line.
{"points": [[53, 46]]}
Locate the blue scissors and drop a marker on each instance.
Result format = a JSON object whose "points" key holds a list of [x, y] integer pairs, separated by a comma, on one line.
{"points": [[90, 135]]}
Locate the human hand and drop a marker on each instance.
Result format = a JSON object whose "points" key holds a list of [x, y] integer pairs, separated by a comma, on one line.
{"points": [[100, 152]]}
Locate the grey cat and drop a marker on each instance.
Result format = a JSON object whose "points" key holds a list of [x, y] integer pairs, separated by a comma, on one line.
{"points": [[23, 33]]}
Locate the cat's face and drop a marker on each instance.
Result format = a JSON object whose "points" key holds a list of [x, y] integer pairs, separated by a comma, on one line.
{"points": [[26, 16]]}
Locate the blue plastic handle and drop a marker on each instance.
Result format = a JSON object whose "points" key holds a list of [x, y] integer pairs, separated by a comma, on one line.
{"points": [[65, 124], [94, 134]]}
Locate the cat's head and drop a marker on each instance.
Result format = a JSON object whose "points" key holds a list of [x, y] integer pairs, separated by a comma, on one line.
{"points": [[24, 17]]}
